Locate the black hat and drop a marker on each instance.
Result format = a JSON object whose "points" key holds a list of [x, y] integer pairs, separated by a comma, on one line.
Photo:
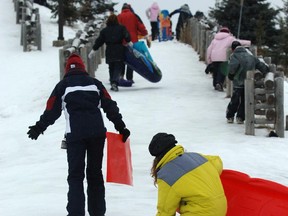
{"points": [[161, 143], [235, 44], [126, 6]]}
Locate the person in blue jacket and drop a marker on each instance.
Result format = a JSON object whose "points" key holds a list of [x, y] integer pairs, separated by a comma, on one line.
{"points": [[81, 97], [184, 15]]}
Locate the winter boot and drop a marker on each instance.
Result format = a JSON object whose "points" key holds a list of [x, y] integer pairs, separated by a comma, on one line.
{"points": [[114, 87], [239, 120], [219, 87], [230, 120]]}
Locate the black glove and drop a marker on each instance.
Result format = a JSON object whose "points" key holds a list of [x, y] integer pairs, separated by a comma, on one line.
{"points": [[209, 68], [34, 132], [230, 77], [125, 134]]}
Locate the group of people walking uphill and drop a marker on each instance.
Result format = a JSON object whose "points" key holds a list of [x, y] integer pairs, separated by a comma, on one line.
{"points": [[152, 14], [124, 27], [238, 63], [188, 182]]}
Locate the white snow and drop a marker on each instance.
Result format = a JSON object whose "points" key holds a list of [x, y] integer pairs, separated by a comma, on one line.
{"points": [[33, 173]]}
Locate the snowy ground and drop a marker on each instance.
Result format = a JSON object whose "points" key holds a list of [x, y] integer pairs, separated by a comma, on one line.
{"points": [[33, 173]]}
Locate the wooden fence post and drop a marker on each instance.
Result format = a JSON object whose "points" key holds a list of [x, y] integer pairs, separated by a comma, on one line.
{"points": [[249, 104], [61, 63], [279, 89]]}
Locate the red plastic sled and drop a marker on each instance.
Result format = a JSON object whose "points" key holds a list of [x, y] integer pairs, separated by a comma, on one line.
{"points": [[248, 196], [119, 165]]}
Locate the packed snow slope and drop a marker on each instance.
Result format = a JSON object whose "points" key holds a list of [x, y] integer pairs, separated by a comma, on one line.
{"points": [[33, 173]]}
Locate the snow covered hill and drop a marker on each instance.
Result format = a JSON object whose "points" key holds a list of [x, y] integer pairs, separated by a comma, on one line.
{"points": [[33, 173]]}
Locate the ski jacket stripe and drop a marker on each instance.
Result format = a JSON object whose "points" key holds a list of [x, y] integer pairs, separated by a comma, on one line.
{"points": [[170, 173], [73, 89], [80, 88]]}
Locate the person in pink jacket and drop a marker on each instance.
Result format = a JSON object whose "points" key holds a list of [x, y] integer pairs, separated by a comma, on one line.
{"points": [[217, 55], [152, 14]]}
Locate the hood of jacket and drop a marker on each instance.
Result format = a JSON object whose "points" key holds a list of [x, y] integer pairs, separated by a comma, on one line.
{"points": [[170, 155], [155, 6], [185, 8], [240, 49], [126, 10], [221, 35]]}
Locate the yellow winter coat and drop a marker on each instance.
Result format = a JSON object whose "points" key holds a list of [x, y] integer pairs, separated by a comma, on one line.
{"points": [[190, 182]]}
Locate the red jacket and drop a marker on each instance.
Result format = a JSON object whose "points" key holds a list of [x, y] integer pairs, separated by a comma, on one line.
{"points": [[134, 26]]}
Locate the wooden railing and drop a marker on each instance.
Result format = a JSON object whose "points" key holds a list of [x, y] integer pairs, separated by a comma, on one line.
{"points": [[264, 102], [29, 18], [82, 45]]}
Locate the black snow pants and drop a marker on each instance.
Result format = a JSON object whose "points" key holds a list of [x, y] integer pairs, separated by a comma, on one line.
{"points": [[218, 76], [154, 30], [76, 153], [237, 104]]}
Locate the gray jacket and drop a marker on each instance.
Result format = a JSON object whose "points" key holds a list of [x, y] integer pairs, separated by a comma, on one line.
{"points": [[240, 62]]}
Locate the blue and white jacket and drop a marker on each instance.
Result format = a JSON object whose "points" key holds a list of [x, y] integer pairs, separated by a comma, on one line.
{"points": [[81, 97]]}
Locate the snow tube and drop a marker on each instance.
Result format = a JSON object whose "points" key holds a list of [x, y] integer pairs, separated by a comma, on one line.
{"points": [[142, 65], [142, 48], [253, 196]]}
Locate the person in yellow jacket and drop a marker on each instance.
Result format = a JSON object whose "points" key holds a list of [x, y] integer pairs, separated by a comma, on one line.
{"points": [[187, 182]]}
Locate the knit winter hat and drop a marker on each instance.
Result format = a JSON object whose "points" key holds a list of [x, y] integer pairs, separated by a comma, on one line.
{"points": [[161, 143], [224, 29], [126, 6], [235, 44], [74, 61]]}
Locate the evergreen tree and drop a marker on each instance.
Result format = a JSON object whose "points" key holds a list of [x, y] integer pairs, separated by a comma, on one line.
{"points": [[70, 12], [258, 22], [90, 8], [281, 54], [84, 10]]}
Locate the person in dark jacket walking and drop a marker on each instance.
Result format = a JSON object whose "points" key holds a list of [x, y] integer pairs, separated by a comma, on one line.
{"points": [[81, 97], [113, 36], [240, 62], [184, 15]]}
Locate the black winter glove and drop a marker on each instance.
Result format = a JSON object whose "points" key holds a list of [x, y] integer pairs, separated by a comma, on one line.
{"points": [[209, 68], [34, 132], [125, 134], [230, 77]]}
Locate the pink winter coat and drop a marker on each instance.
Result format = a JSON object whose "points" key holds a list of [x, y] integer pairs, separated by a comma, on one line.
{"points": [[153, 12], [217, 50]]}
